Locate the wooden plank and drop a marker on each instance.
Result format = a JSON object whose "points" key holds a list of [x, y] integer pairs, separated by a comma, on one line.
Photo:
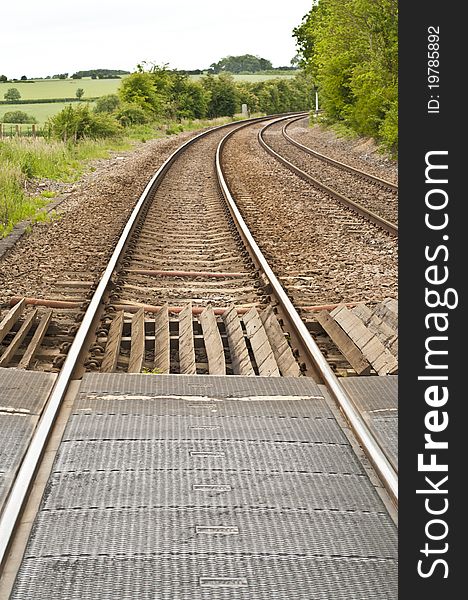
{"points": [[369, 344], [36, 341], [112, 351], [345, 345], [281, 349], [137, 350], [162, 341], [263, 352], [240, 359], [186, 347], [11, 318], [213, 342], [18, 339], [377, 326]]}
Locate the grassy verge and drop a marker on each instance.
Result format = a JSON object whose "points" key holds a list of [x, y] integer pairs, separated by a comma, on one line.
{"points": [[24, 158]]}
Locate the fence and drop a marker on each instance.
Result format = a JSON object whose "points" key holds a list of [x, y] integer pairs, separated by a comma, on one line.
{"points": [[9, 130]]}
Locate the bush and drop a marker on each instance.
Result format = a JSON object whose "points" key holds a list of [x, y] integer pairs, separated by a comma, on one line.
{"points": [[131, 114], [107, 104], [12, 95], [18, 116], [78, 123]]}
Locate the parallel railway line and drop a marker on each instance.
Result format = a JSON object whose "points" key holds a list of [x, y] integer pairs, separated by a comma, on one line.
{"points": [[370, 197], [178, 298]]}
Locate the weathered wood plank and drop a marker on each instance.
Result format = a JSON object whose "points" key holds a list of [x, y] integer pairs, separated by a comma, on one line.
{"points": [[213, 342], [36, 341], [264, 356], [162, 342], [344, 344], [186, 347], [112, 351], [240, 359], [281, 349], [11, 318], [137, 350], [369, 344], [18, 339]]}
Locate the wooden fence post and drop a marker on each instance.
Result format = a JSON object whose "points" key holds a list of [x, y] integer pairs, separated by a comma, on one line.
{"points": [[1, 131], [33, 130], [17, 130]]}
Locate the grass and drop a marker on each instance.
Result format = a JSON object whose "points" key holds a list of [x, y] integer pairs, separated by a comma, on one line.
{"points": [[15, 206], [61, 88], [40, 111], [27, 158]]}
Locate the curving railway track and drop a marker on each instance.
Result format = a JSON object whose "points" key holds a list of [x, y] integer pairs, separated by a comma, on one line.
{"points": [[367, 195], [186, 290]]}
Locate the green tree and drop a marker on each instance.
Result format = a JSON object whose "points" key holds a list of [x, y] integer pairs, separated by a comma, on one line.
{"points": [[139, 88], [79, 93], [18, 116], [76, 123], [12, 95], [107, 104], [245, 63], [350, 49], [3, 78], [224, 98]]}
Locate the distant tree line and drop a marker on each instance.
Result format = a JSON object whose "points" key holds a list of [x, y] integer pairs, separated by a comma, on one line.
{"points": [[158, 94], [100, 74], [350, 49]]}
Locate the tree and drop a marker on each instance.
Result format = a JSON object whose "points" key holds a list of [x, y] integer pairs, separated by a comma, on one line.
{"points": [[107, 104], [3, 78], [79, 93], [350, 48], [18, 116], [12, 95], [244, 63], [224, 99], [24, 78]]}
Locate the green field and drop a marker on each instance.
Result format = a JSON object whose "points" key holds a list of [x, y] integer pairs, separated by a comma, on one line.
{"points": [[61, 88], [66, 88], [41, 111]]}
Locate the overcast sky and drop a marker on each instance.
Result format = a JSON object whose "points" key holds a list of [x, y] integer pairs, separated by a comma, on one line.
{"points": [[44, 37]]}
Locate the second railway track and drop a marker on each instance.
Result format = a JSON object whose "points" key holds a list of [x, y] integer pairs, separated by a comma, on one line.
{"points": [[373, 198]]}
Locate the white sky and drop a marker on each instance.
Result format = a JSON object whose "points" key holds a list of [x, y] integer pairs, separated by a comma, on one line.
{"points": [[44, 37]]}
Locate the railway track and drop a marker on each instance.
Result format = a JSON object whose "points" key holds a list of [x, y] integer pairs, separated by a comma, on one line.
{"points": [[186, 290], [370, 197]]}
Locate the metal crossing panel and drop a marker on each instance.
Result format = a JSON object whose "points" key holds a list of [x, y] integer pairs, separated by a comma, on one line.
{"points": [[207, 488]]}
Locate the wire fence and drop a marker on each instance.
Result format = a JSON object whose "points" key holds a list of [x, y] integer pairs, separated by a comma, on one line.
{"points": [[11, 130]]}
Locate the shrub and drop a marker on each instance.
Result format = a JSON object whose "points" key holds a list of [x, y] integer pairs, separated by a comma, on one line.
{"points": [[18, 116], [78, 123], [131, 114], [107, 104], [12, 95]]}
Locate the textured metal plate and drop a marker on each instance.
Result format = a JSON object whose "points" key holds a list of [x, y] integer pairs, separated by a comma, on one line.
{"points": [[147, 427], [22, 397], [24, 391], [198, 385], [178, 578], [377, 398], [173, 531], [97, 455], [157, 405], [209, 496], [222, 487], [373, 393], [15, 433]]}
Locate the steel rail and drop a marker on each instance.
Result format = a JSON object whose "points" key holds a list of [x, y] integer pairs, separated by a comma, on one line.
{"points": [[363, 174], [25, 475], [372, 449], [361, 210]]}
